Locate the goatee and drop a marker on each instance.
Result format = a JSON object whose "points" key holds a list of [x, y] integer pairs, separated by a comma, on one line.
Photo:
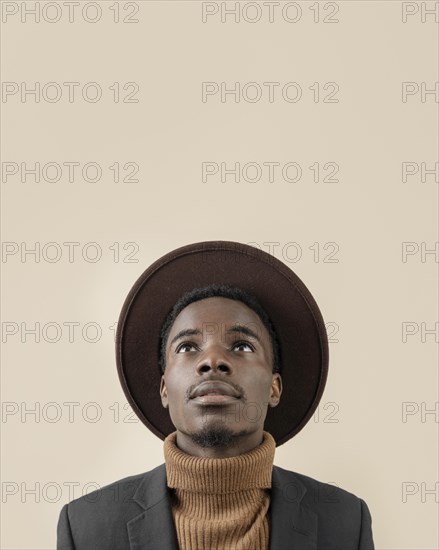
{"points": [[216, 437]]}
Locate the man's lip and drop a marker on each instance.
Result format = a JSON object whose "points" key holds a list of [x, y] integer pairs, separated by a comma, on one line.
{"points": [[214, 388], [214, 399]]}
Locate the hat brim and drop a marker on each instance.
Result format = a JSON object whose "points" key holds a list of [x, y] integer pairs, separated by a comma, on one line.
{"points": [[292, 309]]}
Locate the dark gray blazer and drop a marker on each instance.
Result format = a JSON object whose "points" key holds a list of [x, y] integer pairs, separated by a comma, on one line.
{"points": [[135, 514]]}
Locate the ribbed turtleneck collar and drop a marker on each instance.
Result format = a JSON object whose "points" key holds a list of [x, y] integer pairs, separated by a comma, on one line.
{"points": [[251, 470]]}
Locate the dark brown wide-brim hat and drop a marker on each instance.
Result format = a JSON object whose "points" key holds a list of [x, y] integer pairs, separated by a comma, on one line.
{"points": [[293, 312]]}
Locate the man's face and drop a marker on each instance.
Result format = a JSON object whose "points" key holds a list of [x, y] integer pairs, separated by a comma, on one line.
{"points": [[224, 342]]}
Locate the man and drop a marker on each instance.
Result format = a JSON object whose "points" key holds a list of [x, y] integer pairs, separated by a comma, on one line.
{"points": [[222, 353]]}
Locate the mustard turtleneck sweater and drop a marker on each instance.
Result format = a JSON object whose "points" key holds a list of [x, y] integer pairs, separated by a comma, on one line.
{"points": [[221, 503]]}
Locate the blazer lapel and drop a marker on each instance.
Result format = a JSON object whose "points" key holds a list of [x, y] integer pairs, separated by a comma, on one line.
{"points": [[293, 527], [154, 528]]}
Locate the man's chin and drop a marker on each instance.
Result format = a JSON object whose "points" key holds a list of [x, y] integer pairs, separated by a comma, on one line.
{"points": [[216, 436]]}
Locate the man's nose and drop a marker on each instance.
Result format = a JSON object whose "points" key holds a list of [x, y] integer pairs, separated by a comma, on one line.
{"points": [[214, 359]]}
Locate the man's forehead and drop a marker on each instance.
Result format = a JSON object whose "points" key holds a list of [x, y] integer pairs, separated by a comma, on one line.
{"points": [[231, 316], [231, 310]]}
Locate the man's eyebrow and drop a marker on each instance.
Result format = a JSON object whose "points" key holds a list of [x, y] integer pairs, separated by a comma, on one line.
{"points": [[242, 329], [235, 329], [186, 332]]}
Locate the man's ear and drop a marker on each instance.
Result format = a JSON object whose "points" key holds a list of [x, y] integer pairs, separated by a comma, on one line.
{"points": [[276, 390], [163, 392]]}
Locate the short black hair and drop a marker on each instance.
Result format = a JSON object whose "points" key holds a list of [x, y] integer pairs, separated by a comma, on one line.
{"points": [[222, 291]]}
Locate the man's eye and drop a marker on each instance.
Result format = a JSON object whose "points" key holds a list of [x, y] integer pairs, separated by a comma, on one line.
{"points": [[243, 345], [184, 347]]}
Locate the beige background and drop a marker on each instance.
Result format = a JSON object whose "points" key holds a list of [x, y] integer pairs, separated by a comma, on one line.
{"points": [[358, 440]]}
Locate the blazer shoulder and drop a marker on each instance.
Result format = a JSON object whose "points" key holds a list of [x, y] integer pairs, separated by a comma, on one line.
{"points": [[116, 496], [317, 491], [108, 491], [100, 517], [342, 516]]}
